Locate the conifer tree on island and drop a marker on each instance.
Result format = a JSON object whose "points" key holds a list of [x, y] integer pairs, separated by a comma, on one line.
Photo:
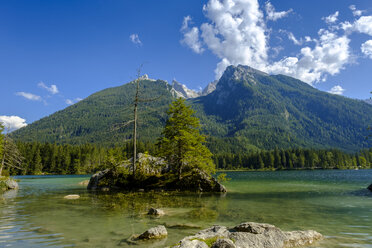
{"points": [[182, 144]]}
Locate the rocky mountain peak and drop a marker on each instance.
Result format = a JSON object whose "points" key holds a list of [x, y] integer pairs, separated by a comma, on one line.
{"points": [[181, 90]]}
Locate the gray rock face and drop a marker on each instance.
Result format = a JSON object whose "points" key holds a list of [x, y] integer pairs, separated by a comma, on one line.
{"points": [[301, 238], [193, 244], [370, 187], [96, 178], [252, 235], [157, 232], [209, 88], [223, 243], [180, 90], [155, 212], [11, 183]]}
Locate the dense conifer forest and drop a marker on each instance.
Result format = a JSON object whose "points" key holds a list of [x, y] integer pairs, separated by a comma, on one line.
{"points": [[46, 158]]}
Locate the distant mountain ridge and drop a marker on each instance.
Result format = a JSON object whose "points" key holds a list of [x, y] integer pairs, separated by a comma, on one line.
{"points": [[245, 110]]}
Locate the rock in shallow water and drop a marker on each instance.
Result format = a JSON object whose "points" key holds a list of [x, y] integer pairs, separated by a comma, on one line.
{"points": [[370, 187], [157, 232], [250, 235], [72, 197], [155, 212]]}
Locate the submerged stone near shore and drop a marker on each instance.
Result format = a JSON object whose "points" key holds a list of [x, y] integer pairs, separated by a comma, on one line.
{"points": [[370, 187], [249, 235]]}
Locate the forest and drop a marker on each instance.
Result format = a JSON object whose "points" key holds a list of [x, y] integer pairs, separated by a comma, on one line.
{"points": [[47, 158]]}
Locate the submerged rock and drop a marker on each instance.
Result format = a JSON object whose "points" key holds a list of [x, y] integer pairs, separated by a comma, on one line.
{"points": [[72, 197], [250, 235], [157, 232], [85, 182], [156, 212], [370, 187]]}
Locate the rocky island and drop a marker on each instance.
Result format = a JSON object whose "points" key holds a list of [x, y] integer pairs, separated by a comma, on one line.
{"points": [[156, 175]]}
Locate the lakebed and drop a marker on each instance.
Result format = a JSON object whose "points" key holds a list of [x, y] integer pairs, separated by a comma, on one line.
{"points": [[335, 203]]}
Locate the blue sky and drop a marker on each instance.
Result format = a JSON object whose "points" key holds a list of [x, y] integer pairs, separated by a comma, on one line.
{"points": [[54, 53]]}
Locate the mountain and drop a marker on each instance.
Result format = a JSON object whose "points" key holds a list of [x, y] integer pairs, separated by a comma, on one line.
{"points": [[247, 110], [180, 90]]}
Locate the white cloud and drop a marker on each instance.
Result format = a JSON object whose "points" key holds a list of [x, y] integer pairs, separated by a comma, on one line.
{"points": [[191, 36], [337, 90], [29, 96], [363, 25], [367, 48], [329, 56], [331, 18], [272, 15], [73, 101], [293, 38], [12, 123], [235, 33], [52, 89], [135, 39], [355, 11]]}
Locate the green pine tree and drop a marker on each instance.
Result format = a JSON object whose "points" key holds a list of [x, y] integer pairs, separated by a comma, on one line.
{"points": [[181, 143]]}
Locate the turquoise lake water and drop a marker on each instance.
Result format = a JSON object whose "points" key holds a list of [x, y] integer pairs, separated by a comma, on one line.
{"points": [[336, 203]]}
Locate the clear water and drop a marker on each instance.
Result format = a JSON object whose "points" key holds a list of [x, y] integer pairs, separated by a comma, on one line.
{"points": [[334, 203]]}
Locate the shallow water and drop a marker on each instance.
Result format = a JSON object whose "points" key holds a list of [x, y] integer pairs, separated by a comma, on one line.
{"points": [[335, 203]]}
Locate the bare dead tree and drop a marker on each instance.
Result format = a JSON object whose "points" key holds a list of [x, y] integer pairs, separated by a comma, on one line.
{"points": [[136, 102], [11, 157]]}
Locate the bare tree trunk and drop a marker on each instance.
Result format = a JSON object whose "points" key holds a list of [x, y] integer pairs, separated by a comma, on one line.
{"points": [[2, 164], [135, 127]]}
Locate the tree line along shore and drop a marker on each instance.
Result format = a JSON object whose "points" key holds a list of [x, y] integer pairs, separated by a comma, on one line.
{"points": [[46, 158]]}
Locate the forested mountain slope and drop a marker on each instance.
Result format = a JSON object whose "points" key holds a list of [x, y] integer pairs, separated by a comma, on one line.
{"points": [[248, 110]]}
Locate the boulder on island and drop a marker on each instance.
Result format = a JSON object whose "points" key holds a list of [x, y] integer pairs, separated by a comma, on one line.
{"points": [[249, 235], [157, 232], [7, 183]]}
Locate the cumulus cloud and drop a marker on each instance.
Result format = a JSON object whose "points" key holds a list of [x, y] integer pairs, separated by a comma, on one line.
{"points": [[135, 39], [329, 56], [367, 48], [363, 25], [29, 96], [52, 89], [331, 18], [237, 33], [12, 123], [355, 11], [272, 15], [191, 36], [336, 90], [73, 101]]}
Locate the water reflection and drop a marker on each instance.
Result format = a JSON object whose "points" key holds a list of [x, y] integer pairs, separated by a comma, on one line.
{"points": [[39, 216]]}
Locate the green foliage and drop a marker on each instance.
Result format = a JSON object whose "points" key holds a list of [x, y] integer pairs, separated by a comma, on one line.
{"points": [[181, 143], [295, 159], [222, 178], [250, 111]]}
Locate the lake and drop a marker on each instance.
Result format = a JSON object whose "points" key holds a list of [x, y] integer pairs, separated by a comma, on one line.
{"points": [[335, 203]]}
